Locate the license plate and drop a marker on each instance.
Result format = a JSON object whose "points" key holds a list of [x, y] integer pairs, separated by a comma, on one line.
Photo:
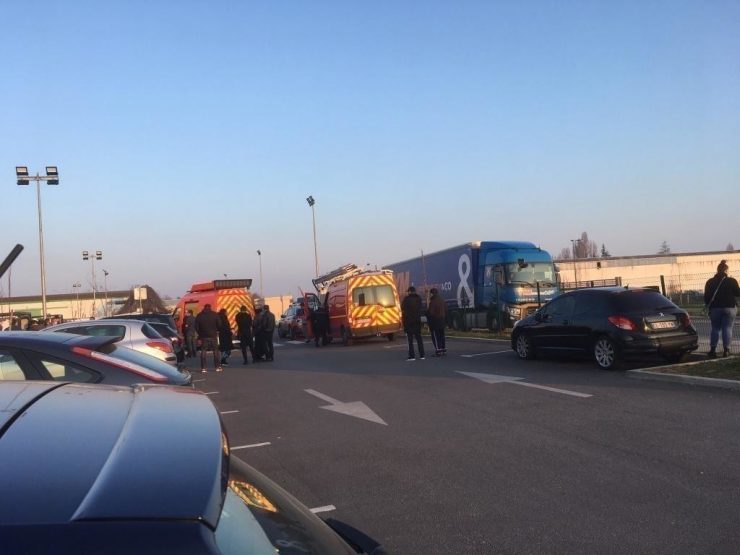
{"points": [[663, 325]]}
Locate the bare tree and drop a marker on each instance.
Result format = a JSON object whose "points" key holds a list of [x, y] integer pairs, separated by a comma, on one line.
{"points": [[565, 254], [583, 247], [730, 247], [664, 248], [604, 253]]}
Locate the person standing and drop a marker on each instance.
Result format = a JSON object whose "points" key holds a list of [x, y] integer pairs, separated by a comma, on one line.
{"points": [[244, 332], [411, 317], [720, 294], [437, 319], [268, 329], [207, 325], [188, 331], [319, 321], [225, 336]]}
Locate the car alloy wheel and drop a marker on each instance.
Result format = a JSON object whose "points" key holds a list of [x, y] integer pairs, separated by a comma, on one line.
{"points": [[524, 347], [605, 353]]}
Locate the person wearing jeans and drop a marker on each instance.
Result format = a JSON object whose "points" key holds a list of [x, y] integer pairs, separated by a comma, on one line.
{"points": [[720, 293]]}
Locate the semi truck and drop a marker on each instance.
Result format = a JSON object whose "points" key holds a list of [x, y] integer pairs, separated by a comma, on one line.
{"points": [[488, 284]]}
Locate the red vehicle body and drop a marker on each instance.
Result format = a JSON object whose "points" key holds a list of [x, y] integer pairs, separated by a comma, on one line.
{"points": [[230, 294]]}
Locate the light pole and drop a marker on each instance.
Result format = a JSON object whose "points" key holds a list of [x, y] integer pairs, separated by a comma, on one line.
{"points": [[310, 200], [259, 254], [51, 178], [105, 285], [97, 256], [76, 287]]}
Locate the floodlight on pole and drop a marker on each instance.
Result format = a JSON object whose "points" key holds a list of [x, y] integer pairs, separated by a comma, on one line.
{"points": [[51, 178], [310, 200], [92, 257]]}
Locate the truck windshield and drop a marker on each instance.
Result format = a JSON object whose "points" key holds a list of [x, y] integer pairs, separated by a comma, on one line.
{"points": [[530, 274], [373, 294]]}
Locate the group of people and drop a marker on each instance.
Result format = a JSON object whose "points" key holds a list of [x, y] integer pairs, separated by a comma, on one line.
{"points": [[436, 314], [214, 332]]}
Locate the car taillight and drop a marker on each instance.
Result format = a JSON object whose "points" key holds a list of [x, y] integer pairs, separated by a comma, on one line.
{"points": [[124, 364], [685, 320], [623, 323], [161, 345]]}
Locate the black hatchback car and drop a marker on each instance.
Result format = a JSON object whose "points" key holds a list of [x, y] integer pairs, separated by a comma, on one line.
{"points": [[609, 324], [138, 470]]}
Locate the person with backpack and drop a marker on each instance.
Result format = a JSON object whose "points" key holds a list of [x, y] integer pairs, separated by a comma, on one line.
{"points": [[720, 294], [411, 317], [244, 332]]}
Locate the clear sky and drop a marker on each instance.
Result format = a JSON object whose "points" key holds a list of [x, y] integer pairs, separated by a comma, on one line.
{"points": [[188, 134]]}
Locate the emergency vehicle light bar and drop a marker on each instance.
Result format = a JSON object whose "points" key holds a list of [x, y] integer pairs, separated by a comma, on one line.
{"points": [[221, 284]]}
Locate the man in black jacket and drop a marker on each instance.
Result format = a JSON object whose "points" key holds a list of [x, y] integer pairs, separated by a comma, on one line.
{"points": [[244, 332], [411, 316], [207, 324]]}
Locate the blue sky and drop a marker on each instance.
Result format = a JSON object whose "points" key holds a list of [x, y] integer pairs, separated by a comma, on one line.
{"points": [[188, 134]]}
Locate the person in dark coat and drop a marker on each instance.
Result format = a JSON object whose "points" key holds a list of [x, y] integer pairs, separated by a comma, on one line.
{"points": [[225, 337], [244, 332], [437, 320], [188, 331], [207, 324], [257, 329], [320, 325], [411, 317], [268, 330], [720, 292]]}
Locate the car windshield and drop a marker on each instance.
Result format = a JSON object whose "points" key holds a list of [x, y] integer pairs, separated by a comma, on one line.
{"points": [[530, 273], [373, 294]]}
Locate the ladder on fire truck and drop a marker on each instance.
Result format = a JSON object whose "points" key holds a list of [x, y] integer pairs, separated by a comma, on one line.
{"points": [[322, 283]]}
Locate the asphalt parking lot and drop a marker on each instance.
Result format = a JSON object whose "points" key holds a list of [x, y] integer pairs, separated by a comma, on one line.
{"points": [[480, 452]]}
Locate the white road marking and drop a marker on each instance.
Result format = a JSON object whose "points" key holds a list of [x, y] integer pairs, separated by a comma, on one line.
{"points": [[493, 378], [357, 409], [211, 393], [229, 411], [395, 347], [484, 354], [201, 380], [324, 509], [296, 342], [555, 390], [236, 447]]}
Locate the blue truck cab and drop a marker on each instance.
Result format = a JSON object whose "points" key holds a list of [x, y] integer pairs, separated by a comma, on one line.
{"points": [[483, 283]]}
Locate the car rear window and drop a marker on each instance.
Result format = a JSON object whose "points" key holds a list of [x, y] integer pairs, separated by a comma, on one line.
{"points": [[633, 301], [150, 332]]}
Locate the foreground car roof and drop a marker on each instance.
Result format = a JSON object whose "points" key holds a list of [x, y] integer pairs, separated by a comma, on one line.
{"points": [[62, 463]]}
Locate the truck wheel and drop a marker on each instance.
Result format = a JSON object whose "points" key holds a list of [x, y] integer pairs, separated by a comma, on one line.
{"points": [[345, 337]]}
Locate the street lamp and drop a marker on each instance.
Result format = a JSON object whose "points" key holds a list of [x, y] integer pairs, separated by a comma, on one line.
{"points": [[311, 202], [259, 254], [97, 256], [51, 178], [105, 285], [575, 274]]}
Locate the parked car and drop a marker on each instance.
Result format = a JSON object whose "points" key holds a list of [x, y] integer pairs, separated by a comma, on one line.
{"points": [[134, 334], [163, 318], [165, 324], [143, 470], [66, 357], [291, 322], [609, 324], [178, 344]]}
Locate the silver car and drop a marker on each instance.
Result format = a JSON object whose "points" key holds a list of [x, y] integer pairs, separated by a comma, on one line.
{"points": [[134, 334]]}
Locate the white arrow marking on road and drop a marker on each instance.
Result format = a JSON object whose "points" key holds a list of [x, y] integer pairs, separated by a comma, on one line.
{"points": [[253, 445], [492, 378], [356, 408], [484, 354]]}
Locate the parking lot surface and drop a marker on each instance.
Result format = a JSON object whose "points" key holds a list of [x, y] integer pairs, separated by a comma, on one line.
{"points": [[480, 452]]}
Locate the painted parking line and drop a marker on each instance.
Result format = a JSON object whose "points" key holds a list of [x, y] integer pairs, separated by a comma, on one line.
{"points": [[485, 354], [495, 379], [395, 347], [324, 509], [210, 393], [554, 389], [253, 445], [229, 411], [200, 380]]}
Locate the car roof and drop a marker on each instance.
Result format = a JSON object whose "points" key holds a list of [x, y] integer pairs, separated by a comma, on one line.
{"points": [[78, 452], [101, 322], [29, 339]]}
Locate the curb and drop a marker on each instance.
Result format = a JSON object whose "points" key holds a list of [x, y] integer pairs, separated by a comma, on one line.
{"points": [[682, 378]]}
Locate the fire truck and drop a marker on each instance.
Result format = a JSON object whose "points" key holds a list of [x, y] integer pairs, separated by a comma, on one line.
{"points": [[360, 303], [230, 294]]}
